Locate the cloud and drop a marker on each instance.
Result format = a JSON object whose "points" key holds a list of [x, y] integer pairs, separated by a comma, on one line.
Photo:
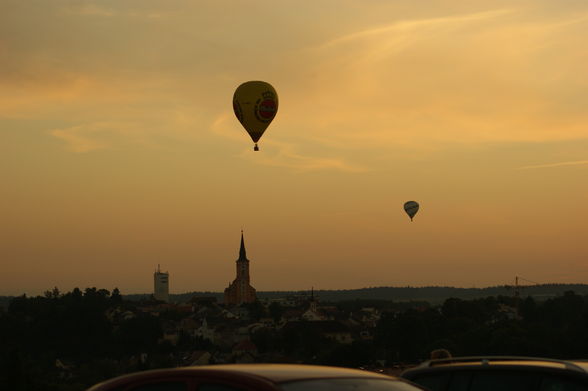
{"points": [[287, 156], [97, 135], [434, 77], [409, 25], [223, 127], [89, 9], [561, 164], [78, 138], [495, 76], [278, 153]]}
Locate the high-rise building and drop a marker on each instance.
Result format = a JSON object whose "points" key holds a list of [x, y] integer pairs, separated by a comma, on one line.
{"points": [[161, 285], [240, 291]]}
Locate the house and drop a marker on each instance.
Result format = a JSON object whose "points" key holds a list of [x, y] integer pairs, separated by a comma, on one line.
{"points": [[332, 329], [245, 352], [205, 332]]}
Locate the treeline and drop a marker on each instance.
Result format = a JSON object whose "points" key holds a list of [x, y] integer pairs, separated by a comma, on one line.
{"points": [[501, 325], [435, 294], [43, 338], [405, 335], [431, 294]]}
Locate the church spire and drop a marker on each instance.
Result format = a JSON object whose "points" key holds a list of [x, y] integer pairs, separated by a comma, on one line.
{"points": [[242, 254]]}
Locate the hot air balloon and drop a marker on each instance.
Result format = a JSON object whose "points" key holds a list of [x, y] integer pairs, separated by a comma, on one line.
{"points": [[255, 104], [411, 208]]}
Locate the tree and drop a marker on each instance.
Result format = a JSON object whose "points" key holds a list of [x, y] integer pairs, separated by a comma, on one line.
{"points": [[276, 311], [53, 294], [116, 297], [256, 310]]}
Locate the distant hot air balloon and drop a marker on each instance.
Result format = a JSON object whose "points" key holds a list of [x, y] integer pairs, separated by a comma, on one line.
{"points": [[255, 104], [411, 208]]}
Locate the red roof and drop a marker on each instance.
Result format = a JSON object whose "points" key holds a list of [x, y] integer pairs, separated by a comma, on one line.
{"points": [[245, 345]]}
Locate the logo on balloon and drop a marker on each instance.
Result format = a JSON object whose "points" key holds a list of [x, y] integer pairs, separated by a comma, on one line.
{"points": [[266, 108]]}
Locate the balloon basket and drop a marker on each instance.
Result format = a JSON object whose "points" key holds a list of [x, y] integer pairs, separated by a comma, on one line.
{"points": [[256, 148]]}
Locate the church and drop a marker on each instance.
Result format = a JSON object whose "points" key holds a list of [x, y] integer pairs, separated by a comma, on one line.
{"points": [[240, 290]]}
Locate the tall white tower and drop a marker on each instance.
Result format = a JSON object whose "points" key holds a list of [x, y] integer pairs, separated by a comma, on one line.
{"points": [[161, 285]]}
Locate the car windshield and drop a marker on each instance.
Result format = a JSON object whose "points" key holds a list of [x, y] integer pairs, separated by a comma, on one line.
{"points": [[348, 385]]}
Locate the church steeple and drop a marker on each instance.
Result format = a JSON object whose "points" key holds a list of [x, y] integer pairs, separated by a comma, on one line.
{"points": [[242, 253], [240, 290]]}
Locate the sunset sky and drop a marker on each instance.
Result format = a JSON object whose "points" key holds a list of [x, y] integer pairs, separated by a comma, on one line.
{"points": [[119, 149]]}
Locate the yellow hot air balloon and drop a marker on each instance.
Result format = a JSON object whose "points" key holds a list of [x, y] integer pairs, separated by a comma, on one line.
{"points": [[255, 104]]}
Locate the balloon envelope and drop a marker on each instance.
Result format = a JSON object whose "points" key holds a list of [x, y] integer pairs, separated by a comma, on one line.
{"points": [[255, 104], [411, 208]]}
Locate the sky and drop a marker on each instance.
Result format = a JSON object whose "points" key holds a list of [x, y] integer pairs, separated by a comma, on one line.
{"points": [[119, 149]]}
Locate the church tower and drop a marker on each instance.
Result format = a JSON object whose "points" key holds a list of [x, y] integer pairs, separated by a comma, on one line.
{"points": [[240, 290]]}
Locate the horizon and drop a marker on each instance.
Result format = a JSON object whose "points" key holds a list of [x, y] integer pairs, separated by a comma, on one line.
{"points": [[120, 149], [542, 285]]}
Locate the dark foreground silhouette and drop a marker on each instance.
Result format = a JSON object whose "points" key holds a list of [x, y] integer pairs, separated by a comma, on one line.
{"points": [[70, 341]]}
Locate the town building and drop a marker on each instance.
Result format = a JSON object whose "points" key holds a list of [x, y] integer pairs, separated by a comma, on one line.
{"points": [[161, 285], [313, 314], [240, 290]]}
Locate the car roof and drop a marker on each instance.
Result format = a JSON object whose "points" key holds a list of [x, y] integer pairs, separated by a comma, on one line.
{"points": [[267, 373], [279, 373], [502, 361], [582, 364]]}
